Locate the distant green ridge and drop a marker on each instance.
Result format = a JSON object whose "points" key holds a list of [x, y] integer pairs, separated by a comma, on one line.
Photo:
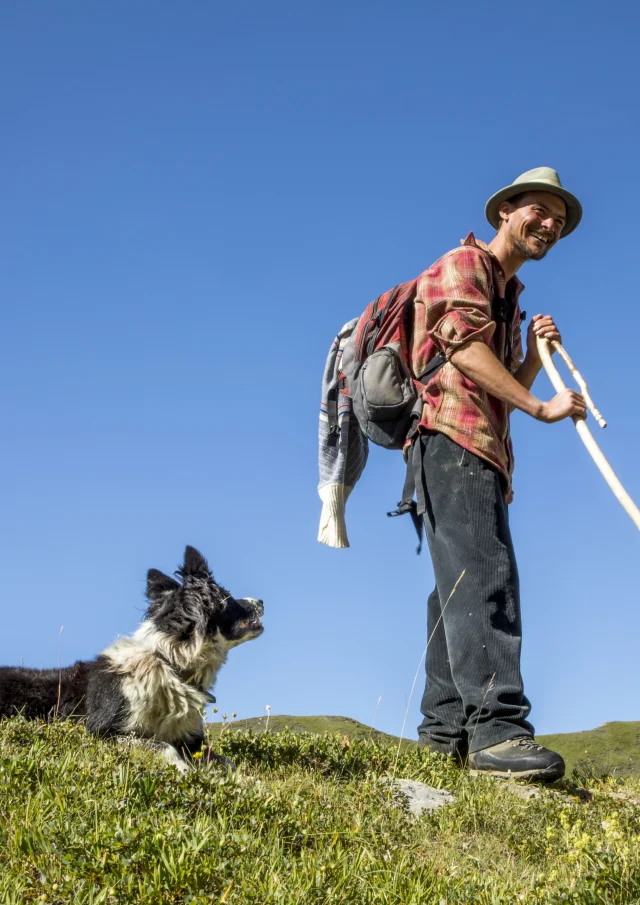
{"points": [[343, 725], [613, 748]]}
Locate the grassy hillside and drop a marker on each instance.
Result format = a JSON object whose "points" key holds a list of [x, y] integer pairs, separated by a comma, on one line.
{"points": [[342, 725], [612, 749], [305, 819]]}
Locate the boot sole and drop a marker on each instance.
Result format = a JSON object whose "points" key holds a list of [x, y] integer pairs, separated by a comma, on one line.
{"points": [[549, 774]]}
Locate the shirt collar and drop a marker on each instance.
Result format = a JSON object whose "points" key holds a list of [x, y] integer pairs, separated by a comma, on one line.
{"points": [[514, 284]]}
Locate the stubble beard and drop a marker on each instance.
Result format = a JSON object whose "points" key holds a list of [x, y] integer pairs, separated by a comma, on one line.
{"points": [[524, 251]]}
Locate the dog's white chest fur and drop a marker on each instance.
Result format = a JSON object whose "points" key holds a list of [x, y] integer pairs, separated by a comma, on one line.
{"points": [[163, 704]]}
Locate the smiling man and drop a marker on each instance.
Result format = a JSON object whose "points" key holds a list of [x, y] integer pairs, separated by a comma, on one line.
{"points": [[467, 308]]}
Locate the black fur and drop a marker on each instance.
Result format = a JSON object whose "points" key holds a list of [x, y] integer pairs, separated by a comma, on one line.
{"points": [[38, 693], [187, 631], [106, 706]]}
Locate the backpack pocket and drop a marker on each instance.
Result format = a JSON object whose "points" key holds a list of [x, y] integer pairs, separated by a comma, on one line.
{"points": [[384, 396]]}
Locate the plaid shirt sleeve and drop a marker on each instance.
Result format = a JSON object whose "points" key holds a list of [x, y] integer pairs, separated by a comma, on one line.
{"points": [[457, 295]]}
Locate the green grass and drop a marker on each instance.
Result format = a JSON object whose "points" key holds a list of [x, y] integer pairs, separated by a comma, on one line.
{"points": [[306, 819], [341, 725], [610, 750]]}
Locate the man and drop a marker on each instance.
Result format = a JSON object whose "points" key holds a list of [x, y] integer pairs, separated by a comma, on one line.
{"points": [[467, 307]]}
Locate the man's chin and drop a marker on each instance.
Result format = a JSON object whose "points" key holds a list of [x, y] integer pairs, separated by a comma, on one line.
{"points": [[532, 250], [538, 254]]}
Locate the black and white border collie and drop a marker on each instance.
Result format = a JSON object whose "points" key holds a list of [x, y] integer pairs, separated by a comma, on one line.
{"points": [[152, 686]]}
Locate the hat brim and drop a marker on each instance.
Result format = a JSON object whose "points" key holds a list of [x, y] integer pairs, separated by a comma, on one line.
{"points": [[574, 208]]}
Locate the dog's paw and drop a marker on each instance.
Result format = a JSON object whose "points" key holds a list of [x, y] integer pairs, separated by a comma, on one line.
{"points": [[211, 759]]}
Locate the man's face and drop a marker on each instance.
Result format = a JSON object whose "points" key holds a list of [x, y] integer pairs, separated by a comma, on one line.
{"points": [[533, 223]]}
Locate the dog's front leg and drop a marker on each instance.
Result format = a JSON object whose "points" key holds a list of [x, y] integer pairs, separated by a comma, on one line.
{"points": [[197, 750], [172, 756], [218, 760], [168, 752]]}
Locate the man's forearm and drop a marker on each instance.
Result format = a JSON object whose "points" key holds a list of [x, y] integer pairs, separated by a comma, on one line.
{"points": [[477, 361], [527, 372]]}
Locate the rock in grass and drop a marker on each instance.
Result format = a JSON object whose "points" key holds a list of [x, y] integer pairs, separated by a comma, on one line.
{"points": [[421, 797]]}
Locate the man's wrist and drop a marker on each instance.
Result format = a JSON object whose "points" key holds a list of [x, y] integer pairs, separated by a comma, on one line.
{"points": [[532, 360], [533, 407], [538, 409]]}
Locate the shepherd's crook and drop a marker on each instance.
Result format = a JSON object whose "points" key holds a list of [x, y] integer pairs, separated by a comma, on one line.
{"points": [[585, 434]]}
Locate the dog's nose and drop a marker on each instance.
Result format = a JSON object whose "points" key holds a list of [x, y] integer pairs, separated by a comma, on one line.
{"points": [[256, 605]]}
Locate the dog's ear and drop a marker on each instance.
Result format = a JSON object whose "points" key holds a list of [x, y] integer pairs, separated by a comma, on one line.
{"points": [[194, 563], [158, 584]]}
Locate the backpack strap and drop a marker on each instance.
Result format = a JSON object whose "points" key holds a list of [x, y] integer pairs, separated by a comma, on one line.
{"points": [[503, 310], [332, 384], [368, 336], [332, 415], [432, 368], [408, 505]]}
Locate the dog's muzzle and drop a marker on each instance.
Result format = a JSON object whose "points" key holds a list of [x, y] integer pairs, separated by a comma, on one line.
{"points": [[255, 609]]}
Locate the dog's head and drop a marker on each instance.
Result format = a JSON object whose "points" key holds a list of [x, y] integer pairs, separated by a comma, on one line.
{"points": [[198, 605]]}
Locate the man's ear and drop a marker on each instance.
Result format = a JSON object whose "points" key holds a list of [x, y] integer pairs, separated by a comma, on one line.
{"points": [[504, 210], [158, 584]]}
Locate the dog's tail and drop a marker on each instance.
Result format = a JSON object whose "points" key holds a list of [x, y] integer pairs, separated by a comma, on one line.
{"points": [[44, 693]]}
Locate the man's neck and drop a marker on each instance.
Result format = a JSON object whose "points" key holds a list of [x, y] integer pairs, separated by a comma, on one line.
{"points": [[509, 260]]}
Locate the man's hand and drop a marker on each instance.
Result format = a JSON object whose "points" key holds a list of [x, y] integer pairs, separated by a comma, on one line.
{"points": [[567, 404], [476, 360], [544, 326]]}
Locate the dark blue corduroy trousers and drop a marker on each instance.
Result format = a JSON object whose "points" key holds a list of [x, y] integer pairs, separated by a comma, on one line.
{"points": [[474, 695]]}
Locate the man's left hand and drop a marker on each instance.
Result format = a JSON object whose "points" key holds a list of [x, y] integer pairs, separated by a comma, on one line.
{"points": [[541, 325]]}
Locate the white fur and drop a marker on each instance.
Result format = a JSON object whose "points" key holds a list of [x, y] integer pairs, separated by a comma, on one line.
{"points": [[168, 752], [163, 705]]}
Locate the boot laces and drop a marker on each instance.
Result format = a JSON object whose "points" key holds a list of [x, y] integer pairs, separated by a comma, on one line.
{"points": [[526, 742]]}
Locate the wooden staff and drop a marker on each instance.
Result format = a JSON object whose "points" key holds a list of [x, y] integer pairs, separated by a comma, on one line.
{"points": [[585, 434]]}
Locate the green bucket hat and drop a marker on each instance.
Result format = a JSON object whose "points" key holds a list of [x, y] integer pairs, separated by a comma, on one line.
{"points": [[541, 179]]}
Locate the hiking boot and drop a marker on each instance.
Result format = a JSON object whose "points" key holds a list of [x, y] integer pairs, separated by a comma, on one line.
{"points": [[518, 758]]}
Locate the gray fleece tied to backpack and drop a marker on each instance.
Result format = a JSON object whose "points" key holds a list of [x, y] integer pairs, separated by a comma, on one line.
{"points": [[369, 393], [343, 447]]}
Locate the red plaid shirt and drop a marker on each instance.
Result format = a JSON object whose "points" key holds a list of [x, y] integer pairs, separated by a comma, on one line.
{"points": [[454, 304]]}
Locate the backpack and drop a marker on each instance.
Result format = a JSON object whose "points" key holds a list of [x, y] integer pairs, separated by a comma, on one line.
{"points": [[369, 393], [375, 371]]}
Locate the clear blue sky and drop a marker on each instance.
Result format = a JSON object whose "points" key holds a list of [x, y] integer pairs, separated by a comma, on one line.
{"points": [[194, 198]]}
